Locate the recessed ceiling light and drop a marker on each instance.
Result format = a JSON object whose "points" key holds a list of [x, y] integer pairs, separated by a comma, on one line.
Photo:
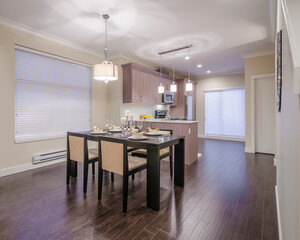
{"points": [[208, 71], [187, 58], [199, 66]]}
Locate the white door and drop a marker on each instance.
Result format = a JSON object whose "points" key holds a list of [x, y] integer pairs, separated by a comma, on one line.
{"points": [[264, 115]]}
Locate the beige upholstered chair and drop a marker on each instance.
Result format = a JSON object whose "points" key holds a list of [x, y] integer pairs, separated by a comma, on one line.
{"points": [[77, 151], [165, 152], [129, 149], [114, 158]]}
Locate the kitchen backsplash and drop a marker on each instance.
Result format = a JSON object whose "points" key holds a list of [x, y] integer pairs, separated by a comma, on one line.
{"points": [[138, 110]]}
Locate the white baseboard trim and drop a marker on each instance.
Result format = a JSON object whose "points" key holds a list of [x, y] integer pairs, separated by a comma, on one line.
{"points": [[278, 214], [249, 150], [26, 167], [221, 138]]}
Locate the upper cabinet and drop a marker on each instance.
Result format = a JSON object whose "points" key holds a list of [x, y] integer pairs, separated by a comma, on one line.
{"points": [[140, 85]]}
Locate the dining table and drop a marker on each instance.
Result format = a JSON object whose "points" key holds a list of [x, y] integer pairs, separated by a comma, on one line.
{"points": [[153, 144]]}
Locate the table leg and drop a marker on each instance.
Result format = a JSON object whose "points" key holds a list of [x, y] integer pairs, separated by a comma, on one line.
{"points": [[153, 178], [179, 164]]}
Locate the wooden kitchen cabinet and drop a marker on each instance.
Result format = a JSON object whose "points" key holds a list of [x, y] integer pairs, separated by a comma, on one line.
{"points": [[140, 84]]}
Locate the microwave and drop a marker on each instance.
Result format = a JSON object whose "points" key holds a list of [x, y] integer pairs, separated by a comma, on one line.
{"points": [[168, 97]]}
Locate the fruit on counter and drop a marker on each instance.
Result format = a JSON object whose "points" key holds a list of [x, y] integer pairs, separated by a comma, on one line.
{"points": [[145, 117]]}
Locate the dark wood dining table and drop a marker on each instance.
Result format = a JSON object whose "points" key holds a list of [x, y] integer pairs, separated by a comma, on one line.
{"points": [[153, 144]]}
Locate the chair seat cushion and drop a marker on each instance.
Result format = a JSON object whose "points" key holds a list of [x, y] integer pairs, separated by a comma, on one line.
{"points": [[135, 162], [93, 153], [162, 152]]}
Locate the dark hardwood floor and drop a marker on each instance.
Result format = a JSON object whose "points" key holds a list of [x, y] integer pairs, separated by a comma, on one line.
{"points": [[227, 195]]}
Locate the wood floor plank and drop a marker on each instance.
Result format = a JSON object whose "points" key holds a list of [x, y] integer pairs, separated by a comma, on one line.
{"points": [[227, 195], [144, 235]]}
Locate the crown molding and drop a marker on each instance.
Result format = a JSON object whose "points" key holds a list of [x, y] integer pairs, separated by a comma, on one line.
{"points": [[210, 75], [259, 53], [135, 60], [24, 28]]}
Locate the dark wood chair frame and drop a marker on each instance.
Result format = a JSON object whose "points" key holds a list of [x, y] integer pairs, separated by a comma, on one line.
{"points": [[169, 154], [126, 172], [112, 176], [86, 162]]}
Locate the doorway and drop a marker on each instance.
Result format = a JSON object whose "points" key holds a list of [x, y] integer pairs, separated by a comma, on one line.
{"points": [[264, 114]]}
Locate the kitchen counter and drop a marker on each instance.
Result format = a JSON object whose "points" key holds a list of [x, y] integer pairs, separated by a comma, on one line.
{"points": [[188, 129], [170, 121]]}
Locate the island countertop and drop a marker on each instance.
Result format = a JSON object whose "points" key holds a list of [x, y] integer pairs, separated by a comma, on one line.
{"points": [[169, 121], [188, 129]]}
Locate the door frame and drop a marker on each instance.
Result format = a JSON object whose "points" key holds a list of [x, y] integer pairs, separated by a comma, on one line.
{"points": [[252, 111]]}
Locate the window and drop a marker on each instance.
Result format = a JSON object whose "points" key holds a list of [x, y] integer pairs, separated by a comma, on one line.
{"points": [[52, 96], [225, 113]]}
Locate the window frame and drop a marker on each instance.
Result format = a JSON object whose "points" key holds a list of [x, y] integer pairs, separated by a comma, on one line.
{"points": [[219, 135], [42, 53]]}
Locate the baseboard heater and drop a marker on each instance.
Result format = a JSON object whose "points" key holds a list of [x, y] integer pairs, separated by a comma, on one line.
{"points": [[49, 156]]}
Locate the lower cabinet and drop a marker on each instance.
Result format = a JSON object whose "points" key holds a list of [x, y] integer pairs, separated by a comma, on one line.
{"points": [[189, 130]]}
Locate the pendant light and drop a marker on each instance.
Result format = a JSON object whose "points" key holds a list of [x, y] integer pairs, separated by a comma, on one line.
{"points": [[173, 86], [189, 84], [161, 88], [106, 71]]}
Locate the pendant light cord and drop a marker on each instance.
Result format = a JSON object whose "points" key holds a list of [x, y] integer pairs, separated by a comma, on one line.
{"points": [[173, 68], [105, 16], [160, 67], [189, 64]]}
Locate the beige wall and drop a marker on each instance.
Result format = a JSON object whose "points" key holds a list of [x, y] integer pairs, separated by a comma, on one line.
{"points": [[255, 66], [287, 145], [215, 82], [20, 154]]}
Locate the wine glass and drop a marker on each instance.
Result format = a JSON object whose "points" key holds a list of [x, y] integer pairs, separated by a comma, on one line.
{"points": [[109, 125], [140, 125], [131, 125]]}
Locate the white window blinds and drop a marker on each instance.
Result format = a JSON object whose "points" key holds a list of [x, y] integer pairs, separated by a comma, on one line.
{"points": [[225, 113], [52, 96]]}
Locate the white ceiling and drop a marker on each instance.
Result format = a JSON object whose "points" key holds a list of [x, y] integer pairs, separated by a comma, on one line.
{"points": [[221, 31]]}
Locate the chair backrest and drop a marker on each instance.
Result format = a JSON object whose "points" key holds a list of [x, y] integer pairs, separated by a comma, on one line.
{"points": [[76, 146], [113, 156], [166, 131]]}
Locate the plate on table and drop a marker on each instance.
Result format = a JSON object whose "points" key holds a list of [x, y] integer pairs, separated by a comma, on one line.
{"points": [[138, 139], [153, 133], [116, 130], [98, 133]]}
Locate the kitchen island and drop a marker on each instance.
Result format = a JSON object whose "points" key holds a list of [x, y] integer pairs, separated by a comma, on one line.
{"points": [[188, 129]]}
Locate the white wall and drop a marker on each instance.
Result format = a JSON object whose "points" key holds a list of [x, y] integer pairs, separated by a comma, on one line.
{"points": [[21, 154], [258, 65], [287, 145], [214, 82]]}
